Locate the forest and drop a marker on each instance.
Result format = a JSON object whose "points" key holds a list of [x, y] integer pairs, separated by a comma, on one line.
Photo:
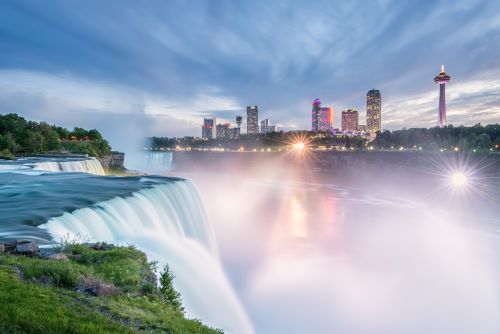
{"points": [[19, 137], [476, 138]]}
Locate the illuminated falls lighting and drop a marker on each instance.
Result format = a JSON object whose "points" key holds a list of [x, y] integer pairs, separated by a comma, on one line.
{"points": [[299, 146], [459, 179], [462, 176]]}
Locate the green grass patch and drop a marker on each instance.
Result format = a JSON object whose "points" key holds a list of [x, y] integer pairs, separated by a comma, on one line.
{"points": [[40, 296], [125, 267], [29, 308]]}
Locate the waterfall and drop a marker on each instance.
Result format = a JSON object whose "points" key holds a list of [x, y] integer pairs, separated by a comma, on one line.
{"points": [[167, 221], [91, 165]]}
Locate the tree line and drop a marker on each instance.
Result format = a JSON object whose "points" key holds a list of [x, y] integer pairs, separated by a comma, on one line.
{"points": [[478, 137], [275, 139], [19, 136]]}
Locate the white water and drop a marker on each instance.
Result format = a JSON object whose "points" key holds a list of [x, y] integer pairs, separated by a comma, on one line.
{"points": [[91, 165], [168, 222]]}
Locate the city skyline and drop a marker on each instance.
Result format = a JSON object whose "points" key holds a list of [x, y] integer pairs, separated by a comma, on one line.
{"points": [[220, 57]]}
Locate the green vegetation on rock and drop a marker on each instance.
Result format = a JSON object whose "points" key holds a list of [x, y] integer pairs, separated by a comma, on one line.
{"points": [[89, 289], [19, 136]]}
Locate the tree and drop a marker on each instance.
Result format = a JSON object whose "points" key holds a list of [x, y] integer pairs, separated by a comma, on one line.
{"points": [[79, 133], [94, 135], [167, 292], [7, 142]]}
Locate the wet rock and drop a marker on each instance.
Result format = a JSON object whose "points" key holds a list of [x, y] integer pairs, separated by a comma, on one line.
{"points": [[26, 247], [6, 247], [45, 253]]}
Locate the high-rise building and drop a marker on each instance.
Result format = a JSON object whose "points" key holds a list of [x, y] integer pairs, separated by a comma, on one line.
{"points": [[373, 111], [316, 106], [265, 127], [321, 117], [362, 128], [442, 79], [350, 119], [223, 130], [208, 128], [252, 120], [325, 119]]}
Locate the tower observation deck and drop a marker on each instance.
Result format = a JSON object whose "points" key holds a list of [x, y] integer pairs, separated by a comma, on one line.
{"points": [[442, 79]]}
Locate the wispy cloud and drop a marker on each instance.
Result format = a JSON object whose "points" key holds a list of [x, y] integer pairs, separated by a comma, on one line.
{"points": [[182, 60], [468, 103]]}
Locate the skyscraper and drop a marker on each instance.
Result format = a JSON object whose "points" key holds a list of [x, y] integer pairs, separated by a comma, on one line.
{"points": [[350, 120], [442, 79], [316, 106], [252, 120], [208, 128], [325, 119], [373, 111]]}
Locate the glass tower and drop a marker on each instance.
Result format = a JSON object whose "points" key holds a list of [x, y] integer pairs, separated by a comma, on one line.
{"points": [[252, 120], [373, 111]]}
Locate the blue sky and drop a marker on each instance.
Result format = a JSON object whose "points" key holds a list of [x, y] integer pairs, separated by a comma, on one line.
{"points": [[131, 68]]}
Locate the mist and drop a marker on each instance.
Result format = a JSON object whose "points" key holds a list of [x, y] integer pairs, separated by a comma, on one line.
{"points": [[321, 253]]}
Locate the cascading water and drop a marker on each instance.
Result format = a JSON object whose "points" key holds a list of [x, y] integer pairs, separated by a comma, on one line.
{"points": [[168, 222], [91, 165]]}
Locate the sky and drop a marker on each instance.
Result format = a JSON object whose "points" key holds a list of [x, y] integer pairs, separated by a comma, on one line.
{"points": [[141, 68]]}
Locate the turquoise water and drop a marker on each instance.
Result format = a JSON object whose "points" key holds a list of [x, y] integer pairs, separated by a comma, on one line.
{"points": [[27, 200]]}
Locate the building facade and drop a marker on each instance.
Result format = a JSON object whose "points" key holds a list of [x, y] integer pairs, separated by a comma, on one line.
{"points": [[208, 129], [265, 127], [325, 119], [316, 106], [224, 131], [350, 120], [252, 120], [373, 111]]}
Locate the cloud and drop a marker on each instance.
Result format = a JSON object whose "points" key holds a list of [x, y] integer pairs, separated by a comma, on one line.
{"points": [[187, 60], [124, 114], [468, 103]]}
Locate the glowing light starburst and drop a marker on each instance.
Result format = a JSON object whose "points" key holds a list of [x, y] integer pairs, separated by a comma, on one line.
{"points": [[299, 144], [459, 179], [463, 175]]}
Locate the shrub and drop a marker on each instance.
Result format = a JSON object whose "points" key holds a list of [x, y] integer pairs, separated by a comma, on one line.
{"points": [[6, 154]]}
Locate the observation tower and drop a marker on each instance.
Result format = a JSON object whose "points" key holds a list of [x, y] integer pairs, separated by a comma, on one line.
{"points": [[442, 79]]}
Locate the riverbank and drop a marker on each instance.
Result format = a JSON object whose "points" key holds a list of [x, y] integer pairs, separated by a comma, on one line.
{"points": [[85, 288]]}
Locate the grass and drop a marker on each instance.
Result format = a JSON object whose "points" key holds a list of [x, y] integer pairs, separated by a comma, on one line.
{"points": [[40, 295]]}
